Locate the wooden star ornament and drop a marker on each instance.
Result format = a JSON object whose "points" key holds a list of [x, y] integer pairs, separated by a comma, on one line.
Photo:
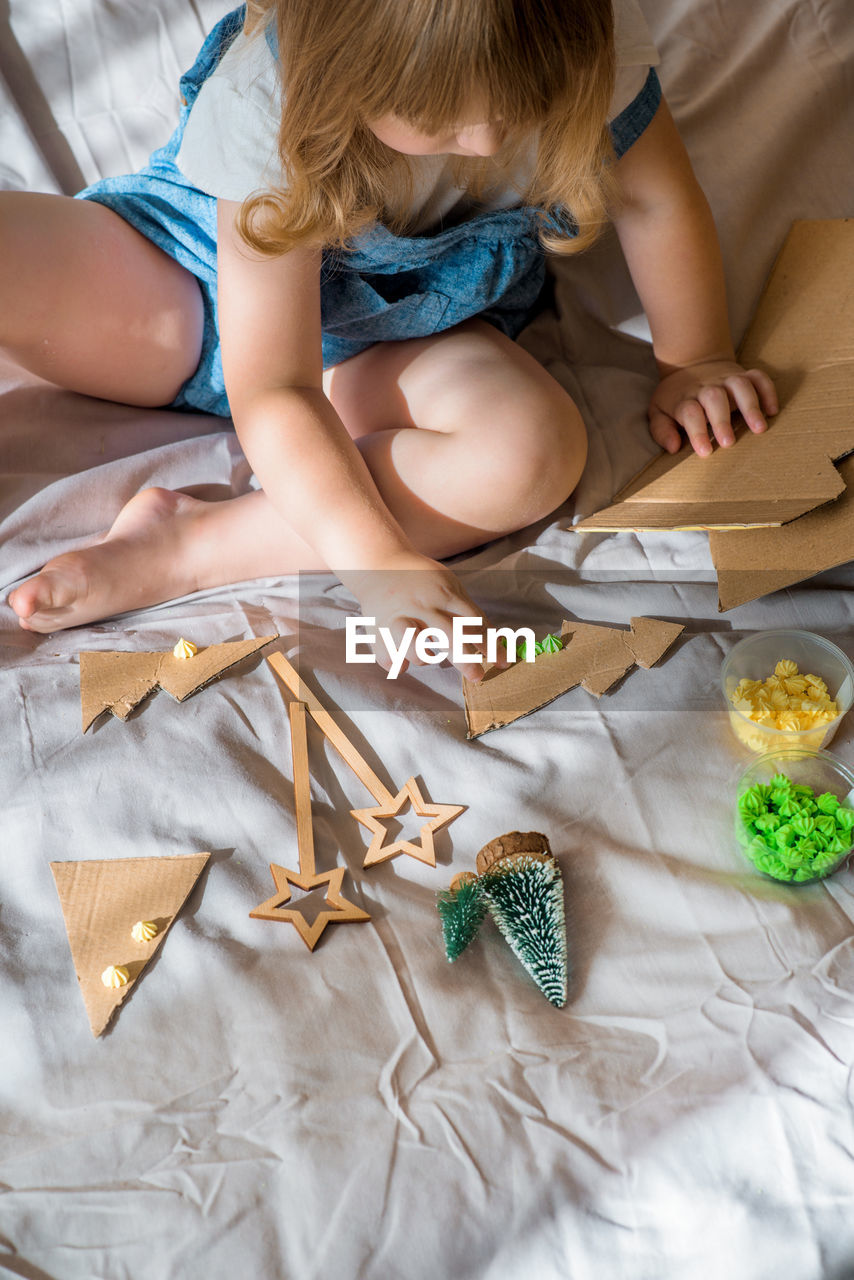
{"points": [[342, 910], [388, 805], [376, 820], [274, 908]]}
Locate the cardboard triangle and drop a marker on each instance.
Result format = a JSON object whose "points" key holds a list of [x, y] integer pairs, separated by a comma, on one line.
{"points": [[119, 681], [801, 334], [753, 563], [101, 901], [593, 656]]}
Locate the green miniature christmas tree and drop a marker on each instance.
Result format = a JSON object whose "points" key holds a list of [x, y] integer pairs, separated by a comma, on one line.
{"points": [[462, 909], [525, 895], [520, 883]]}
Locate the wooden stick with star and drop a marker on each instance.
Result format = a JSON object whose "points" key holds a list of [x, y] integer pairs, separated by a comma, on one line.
{"points": [[339, 910], [388, 806]]}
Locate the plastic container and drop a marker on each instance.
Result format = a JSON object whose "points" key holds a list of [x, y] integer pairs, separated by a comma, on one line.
{"points": [[785, 856], [756, 657]]}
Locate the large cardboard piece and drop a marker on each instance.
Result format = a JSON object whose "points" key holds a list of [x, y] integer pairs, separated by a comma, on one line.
{"points": [[101, 901], [593, 656], [803, 335], [118, 681], [753, 562]]}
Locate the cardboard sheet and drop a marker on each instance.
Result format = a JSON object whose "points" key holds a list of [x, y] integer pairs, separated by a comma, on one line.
{"points": [[803, 335], [593, 656], [119, 682], [752, 563], [101, 901]]}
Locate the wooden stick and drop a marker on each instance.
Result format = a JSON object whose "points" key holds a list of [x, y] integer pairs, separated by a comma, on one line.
{"points": [[342, 744], [302, 788]]}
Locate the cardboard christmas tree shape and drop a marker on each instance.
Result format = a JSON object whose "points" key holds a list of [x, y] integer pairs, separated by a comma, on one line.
{"points": [[120, 681], [101, 902], [593, 656], [803, 335]]}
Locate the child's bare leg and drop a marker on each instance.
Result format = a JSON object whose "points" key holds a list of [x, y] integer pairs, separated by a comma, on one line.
{"points": [[90, 304], [465, 434]]}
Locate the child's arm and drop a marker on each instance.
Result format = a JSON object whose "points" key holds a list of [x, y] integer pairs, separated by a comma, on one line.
{"points": [[307, 464], [669, 240]]}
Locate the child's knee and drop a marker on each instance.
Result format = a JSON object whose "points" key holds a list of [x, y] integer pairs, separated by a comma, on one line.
{"points": [[556, 448]]}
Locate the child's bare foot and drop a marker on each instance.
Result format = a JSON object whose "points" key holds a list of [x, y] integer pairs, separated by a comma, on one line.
{"points": [[146, 558]]}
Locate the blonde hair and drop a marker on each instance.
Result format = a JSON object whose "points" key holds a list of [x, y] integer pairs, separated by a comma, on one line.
{"points": [[545, 65]]}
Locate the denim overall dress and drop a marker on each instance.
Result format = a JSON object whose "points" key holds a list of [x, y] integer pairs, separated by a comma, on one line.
{"points": [[384, 287]]}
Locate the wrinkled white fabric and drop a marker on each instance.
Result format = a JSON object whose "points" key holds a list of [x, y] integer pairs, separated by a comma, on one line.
{"points": [[370, 1111]]}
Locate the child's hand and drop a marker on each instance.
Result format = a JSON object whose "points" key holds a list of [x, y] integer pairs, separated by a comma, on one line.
{"points": [[415, 591], [704, 395]]}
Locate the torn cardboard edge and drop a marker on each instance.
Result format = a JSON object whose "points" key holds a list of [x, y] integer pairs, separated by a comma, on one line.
{"points": [[101, 901], [595, 657], [118, 681], [803, 335]]}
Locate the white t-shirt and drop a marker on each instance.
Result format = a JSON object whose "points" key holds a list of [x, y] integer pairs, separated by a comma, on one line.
{"points": [[230, 143]]}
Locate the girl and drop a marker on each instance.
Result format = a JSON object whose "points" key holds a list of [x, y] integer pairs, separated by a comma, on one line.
{"points": [[336, 248]]}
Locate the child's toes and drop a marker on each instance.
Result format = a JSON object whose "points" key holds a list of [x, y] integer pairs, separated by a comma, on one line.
{"points": [[40, 600], [24, 600]]}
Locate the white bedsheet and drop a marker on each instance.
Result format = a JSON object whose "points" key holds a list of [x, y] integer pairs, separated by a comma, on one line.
{"points": [[369, 1110]]}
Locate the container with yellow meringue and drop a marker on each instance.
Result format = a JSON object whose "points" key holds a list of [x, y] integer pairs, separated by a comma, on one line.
{"points": [[786, 688]]}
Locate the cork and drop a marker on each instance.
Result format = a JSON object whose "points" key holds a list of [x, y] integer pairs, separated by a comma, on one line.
{"points": [[513, 844]]}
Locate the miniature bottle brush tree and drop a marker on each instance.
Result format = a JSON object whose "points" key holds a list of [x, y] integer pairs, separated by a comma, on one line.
{"points": [[520, 885]]}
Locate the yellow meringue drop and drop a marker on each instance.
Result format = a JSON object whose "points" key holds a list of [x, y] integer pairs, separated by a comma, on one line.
{"points": [[786, 667], [115, 975], [144, 931], [185, 649]]}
